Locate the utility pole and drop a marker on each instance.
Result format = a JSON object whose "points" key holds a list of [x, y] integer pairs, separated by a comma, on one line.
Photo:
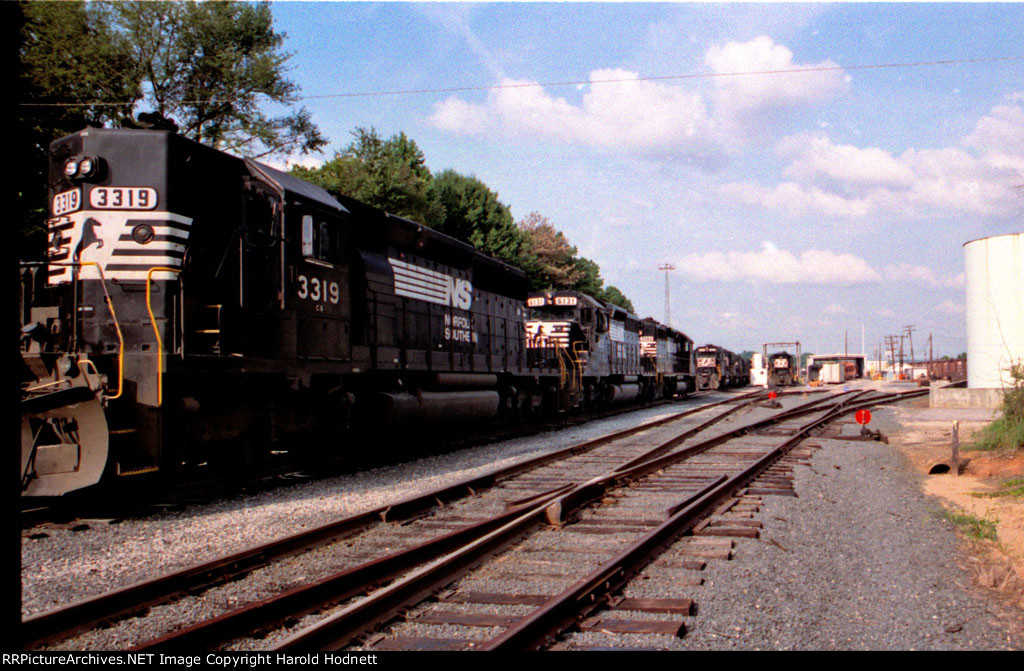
{"points": [[931, 357], [910, 334], [667, 267], [901, 336], [890, 341]]}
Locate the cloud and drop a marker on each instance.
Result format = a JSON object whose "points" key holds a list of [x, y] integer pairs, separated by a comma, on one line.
{"points": [[836, 309], [795, 199], [628, 115], [744, 101], [813, 155], [619, 111], [1000, 131], [777, 266], [288, 162], [905, 272], [842, 180], [950, 307], [813, 266]]}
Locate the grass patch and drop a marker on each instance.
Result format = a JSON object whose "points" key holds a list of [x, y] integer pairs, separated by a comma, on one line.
{"points": [[1004, 434], [1014, 488], [1007, 432], [975, 527]]}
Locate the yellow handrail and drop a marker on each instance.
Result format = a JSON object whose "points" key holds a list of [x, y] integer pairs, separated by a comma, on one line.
{"points": [[577, 348], [156, 332]]}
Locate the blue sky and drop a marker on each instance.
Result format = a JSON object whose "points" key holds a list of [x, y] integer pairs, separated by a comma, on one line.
{"points": [[795, 206]]}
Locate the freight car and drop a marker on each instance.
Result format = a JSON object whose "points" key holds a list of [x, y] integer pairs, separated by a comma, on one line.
{"points": [[780, 370], [201, 313]]}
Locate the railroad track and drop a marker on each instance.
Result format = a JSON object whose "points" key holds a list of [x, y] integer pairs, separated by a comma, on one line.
{"points": [[77, 511], [535, 494]]}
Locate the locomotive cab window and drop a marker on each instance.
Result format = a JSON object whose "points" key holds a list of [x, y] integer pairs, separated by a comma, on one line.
{"points": [[260, 218], [320, 240]]}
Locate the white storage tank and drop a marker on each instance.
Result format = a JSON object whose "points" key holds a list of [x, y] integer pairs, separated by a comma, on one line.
{"points": [[995, 309]]}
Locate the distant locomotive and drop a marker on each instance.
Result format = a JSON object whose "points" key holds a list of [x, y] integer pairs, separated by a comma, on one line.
{"points": [[781, 370], [201, 310], [718, 368]]}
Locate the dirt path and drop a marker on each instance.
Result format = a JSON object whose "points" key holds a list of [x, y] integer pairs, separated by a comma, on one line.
{"points": [[924, 436]]}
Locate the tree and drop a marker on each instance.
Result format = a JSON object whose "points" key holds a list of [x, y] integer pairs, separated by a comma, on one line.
{"points": [[65, 56], [474, 214], [388, 174], [208, 66], [616, 297], [556, 267]]}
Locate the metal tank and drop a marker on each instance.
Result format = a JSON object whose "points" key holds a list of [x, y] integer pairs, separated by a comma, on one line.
{"points": [[995, 309]]}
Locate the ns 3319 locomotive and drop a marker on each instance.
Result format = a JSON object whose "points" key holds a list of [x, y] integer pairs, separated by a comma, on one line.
{"points": [[201, 311]]}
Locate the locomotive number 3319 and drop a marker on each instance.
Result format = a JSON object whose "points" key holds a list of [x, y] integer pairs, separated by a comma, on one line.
{"points": [[319, 291]]}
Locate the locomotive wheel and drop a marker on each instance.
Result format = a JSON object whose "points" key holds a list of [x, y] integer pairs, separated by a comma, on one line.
{"points": [[64, 442]]}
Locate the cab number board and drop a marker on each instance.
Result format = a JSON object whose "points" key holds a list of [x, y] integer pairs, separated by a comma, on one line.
{"points": [[122, 198], [321, 292], [67, 201]]}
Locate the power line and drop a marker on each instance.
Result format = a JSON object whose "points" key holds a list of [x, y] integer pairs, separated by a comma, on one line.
{"points": [[619, 80]]}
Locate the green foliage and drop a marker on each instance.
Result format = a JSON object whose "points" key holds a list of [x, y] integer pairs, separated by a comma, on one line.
{"points": [[1007, 432], [975, 527], [616, 297], [1013, 488], [388, 174], [555, 257], [473, 213], [208, 66], [557, 264]]}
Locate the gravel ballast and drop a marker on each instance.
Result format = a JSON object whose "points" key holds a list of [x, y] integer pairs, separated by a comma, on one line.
{"points": [[861, 560], [867, 562], [66, 566]]}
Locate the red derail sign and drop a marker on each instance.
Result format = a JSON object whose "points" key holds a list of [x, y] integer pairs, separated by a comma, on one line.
{"points": [[863, 416], [772, 395]]}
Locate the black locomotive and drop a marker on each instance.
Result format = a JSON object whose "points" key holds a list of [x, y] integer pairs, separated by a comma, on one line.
{"points": [[603, 353], [718, 368], [780, 370], [199, 309]]}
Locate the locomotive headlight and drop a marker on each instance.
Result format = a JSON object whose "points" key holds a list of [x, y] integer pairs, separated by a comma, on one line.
{"points": [[143, 234], [82, 167]]}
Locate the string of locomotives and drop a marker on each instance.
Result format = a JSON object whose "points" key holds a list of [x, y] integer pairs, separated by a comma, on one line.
{"points": [[201, 311]]}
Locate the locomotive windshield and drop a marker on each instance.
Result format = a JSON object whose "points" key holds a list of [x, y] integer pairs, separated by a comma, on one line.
{"points": [[551, 313]]}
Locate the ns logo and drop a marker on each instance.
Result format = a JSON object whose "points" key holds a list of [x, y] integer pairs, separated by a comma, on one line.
{"points": [[460, 293]]}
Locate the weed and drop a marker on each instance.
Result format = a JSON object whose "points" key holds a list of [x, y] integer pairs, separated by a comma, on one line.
{"points": [[975, 527], [1007, 432], [1014, 488]]}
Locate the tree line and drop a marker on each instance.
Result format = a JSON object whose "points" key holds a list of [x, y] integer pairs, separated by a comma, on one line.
{"points": [[205, 70], [392, 175]]}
